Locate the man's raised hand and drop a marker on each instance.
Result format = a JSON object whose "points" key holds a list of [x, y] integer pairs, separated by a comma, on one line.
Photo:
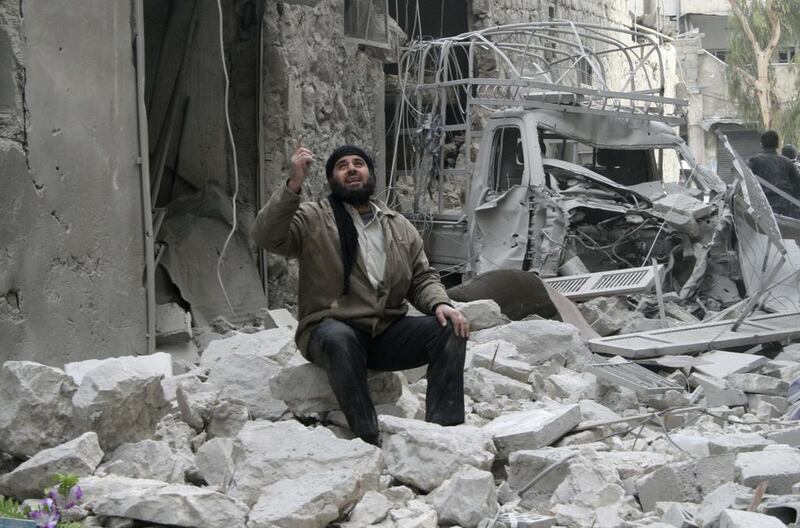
{"points": [[300, 163]]}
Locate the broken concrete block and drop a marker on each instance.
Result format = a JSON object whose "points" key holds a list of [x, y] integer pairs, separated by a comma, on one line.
{"points": [[483, 385], [195, 400], [721, 363], [778, 465], [466, 498], [120, 402], [425, 455], [371, 509], [306, 390], [684, 481], [537, 340], [227, 418], [161, 503], [729, 495], [680, 514], [482, 314], [498, 356], [697, 446], [780, 403], [745, 519], [173, 324], [175, 433], [787, 435], [312, 499], [148, 459], [214, 461], [415, 514], [758, 384], [280, 318], [79, 457], [683, 205], [241, 366], [606, 315], [732, 443], [717, 392], [571, 386], [36, 412], [158, 364], [531, 429], [643, 324], [265, 453]]}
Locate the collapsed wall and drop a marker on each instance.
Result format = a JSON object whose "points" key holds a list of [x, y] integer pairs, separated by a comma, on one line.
{"points": [[71, 236]]}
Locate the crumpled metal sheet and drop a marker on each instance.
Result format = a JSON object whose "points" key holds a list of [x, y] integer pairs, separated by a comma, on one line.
{"points": [[502, 225]]}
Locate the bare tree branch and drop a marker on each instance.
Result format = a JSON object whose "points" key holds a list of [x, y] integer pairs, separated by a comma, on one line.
{"points": [[775, 23], [748, 32]]}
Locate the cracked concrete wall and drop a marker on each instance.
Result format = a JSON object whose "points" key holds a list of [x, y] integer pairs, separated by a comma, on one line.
{"points": [[71, 237], [489, 13], [319, 85]]}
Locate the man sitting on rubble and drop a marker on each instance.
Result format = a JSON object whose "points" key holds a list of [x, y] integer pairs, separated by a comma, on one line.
{"points": [[359, 262], [778, 171]]}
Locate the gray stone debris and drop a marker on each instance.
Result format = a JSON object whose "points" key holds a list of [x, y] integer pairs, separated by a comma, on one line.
{"points": [[241, 366], [606, 315], [158, 364], [371, 509], [306, 390], [79, 457], [778, 465], [265, 453], [214, 461], [686, 481], [161, 503], [728, 495], [425, 455], [498, 356], [148, 459], [720, 363], [466, 498], [484, 385], [36, 412], [744, 519], [758, 384], [119, 402], [482, 314], [227, 418], [538, 340], [311, 499], [531, 429]]}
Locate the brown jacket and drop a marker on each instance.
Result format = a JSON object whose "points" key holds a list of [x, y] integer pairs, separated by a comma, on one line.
{"points": [[308, 232]]}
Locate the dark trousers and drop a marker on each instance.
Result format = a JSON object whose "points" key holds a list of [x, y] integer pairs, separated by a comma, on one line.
{"points": [[346, 353]]}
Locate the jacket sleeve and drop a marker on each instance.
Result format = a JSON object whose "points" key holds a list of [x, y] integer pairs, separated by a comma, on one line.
{"points": [[426, 291], [281, 224]]}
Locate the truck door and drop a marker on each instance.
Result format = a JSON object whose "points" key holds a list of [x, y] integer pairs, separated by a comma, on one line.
{"points": [[500, 228]]}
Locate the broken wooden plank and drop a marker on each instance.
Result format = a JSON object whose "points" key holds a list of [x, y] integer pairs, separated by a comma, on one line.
{"points": [[700, 337], [616, 282]]}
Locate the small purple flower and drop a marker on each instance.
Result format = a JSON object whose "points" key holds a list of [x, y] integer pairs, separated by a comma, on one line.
{"points": [[70, 501], [47, 515]]}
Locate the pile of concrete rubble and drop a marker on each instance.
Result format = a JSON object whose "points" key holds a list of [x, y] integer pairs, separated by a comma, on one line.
{"points": [[249, 435]]}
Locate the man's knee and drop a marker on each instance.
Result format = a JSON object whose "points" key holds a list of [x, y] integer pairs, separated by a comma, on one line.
{"points": [[333, 340], [449, 342]]}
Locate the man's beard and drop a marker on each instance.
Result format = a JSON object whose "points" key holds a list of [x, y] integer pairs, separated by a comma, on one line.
{"points": [[358, 196]]}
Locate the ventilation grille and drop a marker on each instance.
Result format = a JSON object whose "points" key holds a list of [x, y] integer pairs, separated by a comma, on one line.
{"points": [[620, 282]]}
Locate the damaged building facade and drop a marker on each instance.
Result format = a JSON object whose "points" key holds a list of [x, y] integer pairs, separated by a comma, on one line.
{"points": [[119, 168]]}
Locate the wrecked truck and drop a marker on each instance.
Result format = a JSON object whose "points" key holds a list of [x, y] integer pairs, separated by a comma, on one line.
{"points": [[551, 148]]}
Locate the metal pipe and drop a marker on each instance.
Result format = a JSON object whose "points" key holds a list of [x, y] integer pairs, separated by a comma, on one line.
{"points": [[144, 172]]}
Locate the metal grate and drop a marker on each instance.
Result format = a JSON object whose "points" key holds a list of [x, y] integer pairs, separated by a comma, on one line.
{"points": [[618, 282], [633, 376]]}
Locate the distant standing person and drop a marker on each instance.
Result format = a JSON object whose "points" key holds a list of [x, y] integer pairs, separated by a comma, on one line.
{"points": [[359, 264], [780, 172]]}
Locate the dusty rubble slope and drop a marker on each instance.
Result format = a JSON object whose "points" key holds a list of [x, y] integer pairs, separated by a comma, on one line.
{"points": [[546, 442]]}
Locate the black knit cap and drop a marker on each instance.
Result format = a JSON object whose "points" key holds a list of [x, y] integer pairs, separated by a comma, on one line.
{"points": [[347, 150]]}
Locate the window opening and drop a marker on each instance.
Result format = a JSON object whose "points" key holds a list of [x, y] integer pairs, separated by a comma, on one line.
{"points": [[508, 163]]}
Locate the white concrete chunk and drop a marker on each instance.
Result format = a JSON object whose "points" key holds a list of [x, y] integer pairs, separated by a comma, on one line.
{"points": [[537, 340], [158, 364], [728, 495], [531, 429], [265, 453], [313, 499], [425, 455], [148, 459], [723, 443], [371, 509], [306, 390], [745, 519], [173, 324], [778, 465], [482, 314], [36, 411], [498, 356], [758, 384], [684, 481], [121, 401], [160, 503], [483, 385], [214, 461], [466, 498], [606, 315], [721, 363], [79, 456]]}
